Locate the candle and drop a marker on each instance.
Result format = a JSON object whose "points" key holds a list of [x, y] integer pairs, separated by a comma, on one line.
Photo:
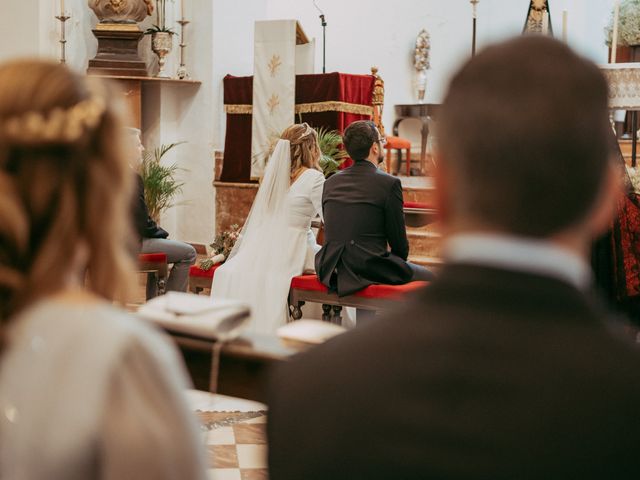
{"points": [[565, 16], [182, 9], [614, 35], [62, 7], [545, 22]]}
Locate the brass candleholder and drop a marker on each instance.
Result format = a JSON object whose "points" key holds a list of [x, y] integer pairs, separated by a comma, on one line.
{"points": [[63, 38], [182, 72]]}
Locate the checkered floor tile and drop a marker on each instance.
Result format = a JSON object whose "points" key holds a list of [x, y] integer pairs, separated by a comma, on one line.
{"points": [[236, 444]]}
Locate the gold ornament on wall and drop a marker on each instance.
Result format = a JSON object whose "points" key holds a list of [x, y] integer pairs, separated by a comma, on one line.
{"points": [[273, 103], [274, 64]]}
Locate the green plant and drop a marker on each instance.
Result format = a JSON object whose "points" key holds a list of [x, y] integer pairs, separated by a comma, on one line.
{"points": [[161, 24], [332, 155], [160, 183], [628, 24]]}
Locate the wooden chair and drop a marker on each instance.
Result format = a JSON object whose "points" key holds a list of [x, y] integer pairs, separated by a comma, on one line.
{"points": [[398, 144]]}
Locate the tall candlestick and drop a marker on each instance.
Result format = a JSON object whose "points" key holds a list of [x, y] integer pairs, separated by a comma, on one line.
{"points": [[182, 72], [565, 16], [63, 37], [614, 35], [474, 4]]}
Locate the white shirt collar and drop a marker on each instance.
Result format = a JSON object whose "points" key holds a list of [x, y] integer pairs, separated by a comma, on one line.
{"points": [[518, 253]]}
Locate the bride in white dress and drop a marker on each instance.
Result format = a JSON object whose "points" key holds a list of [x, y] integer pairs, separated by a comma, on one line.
{"points": [[276, 242]]}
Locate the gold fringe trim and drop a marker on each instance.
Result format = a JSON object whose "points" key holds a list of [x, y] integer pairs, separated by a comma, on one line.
{"points": [[334, 107], [239, 109], [316, 107]]}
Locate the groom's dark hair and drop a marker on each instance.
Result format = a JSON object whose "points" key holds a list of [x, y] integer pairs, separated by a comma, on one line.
{"points": [[359, 137]]}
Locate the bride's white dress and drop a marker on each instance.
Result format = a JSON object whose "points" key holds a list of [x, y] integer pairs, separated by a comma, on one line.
{"points": [[276, 244]]}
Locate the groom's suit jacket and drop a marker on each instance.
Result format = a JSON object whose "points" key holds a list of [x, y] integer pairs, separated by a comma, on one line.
{"points": [[485, 374], [363, 216]]}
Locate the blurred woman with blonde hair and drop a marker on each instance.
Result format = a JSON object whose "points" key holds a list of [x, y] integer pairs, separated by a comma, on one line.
{"points": [[86, 391], [276, 242]]}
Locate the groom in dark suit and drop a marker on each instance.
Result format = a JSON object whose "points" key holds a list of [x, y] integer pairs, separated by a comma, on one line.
{"points": [[363, 216], [505, 367]]}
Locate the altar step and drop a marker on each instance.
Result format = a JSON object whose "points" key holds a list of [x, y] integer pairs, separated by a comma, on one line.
{"points": [[418, 189], [424, 243]]}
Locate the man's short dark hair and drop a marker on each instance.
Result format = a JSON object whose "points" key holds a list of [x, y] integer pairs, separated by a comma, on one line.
{"points": [[524, 132], [359, 137]]}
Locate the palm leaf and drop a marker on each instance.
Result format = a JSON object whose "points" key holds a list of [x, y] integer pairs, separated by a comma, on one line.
{"points": [[332, 155], [160, 183]]}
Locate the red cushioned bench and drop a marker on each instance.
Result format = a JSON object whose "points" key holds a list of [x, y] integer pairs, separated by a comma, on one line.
{"points": [[156, 267], [307, 288], [200, 279]]}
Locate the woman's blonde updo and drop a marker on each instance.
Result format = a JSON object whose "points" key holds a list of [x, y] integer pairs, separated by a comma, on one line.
{"points": [[305, 151], [64, 186]]}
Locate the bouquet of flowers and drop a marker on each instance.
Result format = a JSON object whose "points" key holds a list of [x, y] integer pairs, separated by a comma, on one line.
{"points": [[221, 247], [421, 54], [421, 62]]}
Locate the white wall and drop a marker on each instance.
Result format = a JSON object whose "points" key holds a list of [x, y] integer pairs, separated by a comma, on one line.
{"points": [[19, 24], [360, 34]]}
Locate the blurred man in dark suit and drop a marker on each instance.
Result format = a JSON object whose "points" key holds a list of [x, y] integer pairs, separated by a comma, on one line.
{"points": [[363, 216], [505, 366], [153, 238]]}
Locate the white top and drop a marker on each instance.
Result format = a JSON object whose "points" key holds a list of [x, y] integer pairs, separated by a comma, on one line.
{"points": [[305, 204], [86, 391], [518, 253]]}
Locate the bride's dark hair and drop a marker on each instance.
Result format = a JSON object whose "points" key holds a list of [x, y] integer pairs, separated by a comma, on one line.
{"points": [[305, 151]]}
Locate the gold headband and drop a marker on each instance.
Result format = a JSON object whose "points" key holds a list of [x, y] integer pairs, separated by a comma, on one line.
{"points": [[307, 131], [59, 126]]}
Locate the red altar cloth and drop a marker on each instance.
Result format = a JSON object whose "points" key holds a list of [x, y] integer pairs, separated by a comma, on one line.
{"points": [[341, 97]]}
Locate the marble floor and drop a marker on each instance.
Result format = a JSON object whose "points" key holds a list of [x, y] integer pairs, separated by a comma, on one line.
{"points": [[236, 442]]}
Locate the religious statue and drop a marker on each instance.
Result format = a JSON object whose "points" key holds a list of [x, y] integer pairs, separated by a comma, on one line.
{"points": [[121, 11], [118, 36], [538, 18]]}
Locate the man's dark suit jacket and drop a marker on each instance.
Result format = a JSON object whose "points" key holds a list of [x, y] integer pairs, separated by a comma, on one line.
{"points": [[144, 224], [362, 208], [485, 374]]}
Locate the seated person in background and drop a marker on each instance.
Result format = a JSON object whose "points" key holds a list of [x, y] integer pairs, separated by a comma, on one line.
{"points": [[504, 367], [363, 213], [154, 238], [86, 390]]}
